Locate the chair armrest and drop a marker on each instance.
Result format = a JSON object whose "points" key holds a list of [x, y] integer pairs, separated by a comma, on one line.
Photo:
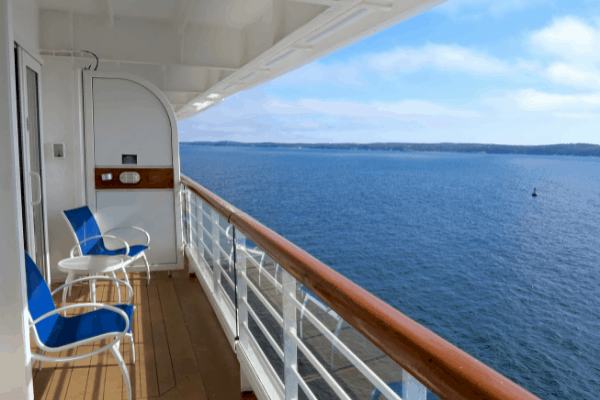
{"points": [[135, 228], [97, 278], [96, 237], [118, 335]]}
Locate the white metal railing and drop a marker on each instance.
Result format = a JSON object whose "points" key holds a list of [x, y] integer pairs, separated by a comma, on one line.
{"points": [[261, 317]]}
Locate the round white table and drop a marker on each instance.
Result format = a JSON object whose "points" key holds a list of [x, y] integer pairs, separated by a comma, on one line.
{"points": [[92, 265]]}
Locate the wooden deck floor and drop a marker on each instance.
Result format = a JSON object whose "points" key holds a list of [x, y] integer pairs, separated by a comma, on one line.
{"points": [[181, 350]]}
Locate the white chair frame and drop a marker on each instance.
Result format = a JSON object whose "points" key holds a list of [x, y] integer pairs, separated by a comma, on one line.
{"points": [[309, 298], [113, 345], [78, 246], [127, 260]]}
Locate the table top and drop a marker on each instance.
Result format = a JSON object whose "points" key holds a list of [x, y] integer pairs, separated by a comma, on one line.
{"points": [[91, 264]]}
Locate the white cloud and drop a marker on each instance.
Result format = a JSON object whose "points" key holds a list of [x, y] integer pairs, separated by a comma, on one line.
{"points": [[577, 47], [348, 74], [574, 75], [476, 8], [401, 109], [575, 115], [569, 38], [355, 73], [445, 57], [533, 100]]}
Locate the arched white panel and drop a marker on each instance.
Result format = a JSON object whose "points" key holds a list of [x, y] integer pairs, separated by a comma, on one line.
{"points": [[129, 119], [125, 114]]}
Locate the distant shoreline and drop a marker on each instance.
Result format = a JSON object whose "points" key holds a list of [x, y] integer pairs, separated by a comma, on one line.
{"points": [[570, 149]]}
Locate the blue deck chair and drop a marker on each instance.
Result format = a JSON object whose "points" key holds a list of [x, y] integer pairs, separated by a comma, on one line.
{"points": [[90, 241], [54, 333]]}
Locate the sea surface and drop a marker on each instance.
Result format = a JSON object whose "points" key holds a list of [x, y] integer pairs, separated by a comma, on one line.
{"points": [[454, 241]]}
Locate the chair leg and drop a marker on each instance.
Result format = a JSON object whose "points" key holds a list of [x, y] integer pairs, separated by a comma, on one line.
{"points": [[147, 266], [125, 275], [130, 337], [42, 352], [117, 286], [70, 278], [121, 362]]}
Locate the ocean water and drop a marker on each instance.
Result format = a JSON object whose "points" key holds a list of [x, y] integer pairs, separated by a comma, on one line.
{"points": [[454, 241]]}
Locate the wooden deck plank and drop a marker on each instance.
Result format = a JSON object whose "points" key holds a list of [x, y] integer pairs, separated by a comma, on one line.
{"points": [[79, 375], [94, 389], [113, 387], [185, 366], [220, 376], [57, 385], [168, 363], [134, 369], [164, 369], [145, 368]]}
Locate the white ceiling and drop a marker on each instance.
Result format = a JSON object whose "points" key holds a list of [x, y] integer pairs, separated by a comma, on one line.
{"points": [[198, 52]]}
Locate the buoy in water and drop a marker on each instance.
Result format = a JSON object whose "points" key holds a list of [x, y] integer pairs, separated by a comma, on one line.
{"points": [[534, 194]]}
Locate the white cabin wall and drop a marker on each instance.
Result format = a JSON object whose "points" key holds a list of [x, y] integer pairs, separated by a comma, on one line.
{"points": [[25, 26], [15, 360], [64, 176]]}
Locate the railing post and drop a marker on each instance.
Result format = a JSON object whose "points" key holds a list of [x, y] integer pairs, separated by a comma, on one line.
{"points": [[200, 228], [290, 351], [242, 293], [188, 213], [412, 389], [216, 253]]}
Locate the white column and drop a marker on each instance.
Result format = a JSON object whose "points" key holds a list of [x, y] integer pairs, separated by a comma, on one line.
{"points": [[242, 291], [242, 312], [290, 350], [216, 254], [15, 377], [188, 215], [199, 227]]}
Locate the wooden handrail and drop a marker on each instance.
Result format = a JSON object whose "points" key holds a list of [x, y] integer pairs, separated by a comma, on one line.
{"points": [[443, 368]]}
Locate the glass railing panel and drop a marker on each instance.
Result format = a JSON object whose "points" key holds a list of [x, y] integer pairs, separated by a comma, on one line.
{"points": [[211, 244], [297, 346], [259, 303], [333, 359], [359, 367]]}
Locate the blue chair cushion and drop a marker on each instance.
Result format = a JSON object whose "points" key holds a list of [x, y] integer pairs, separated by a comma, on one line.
{"points": [[39, 299], [133, 251], [69, 330], [56, 330], [84, 225]]}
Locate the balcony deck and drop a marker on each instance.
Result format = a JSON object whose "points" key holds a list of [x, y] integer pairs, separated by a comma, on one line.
{"points": [[181, 350]]}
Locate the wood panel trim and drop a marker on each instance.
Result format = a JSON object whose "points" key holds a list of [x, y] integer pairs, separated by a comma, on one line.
{"points": [[150, 178]]}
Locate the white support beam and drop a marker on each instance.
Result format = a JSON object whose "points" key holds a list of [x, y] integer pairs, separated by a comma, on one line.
{"points": [[16, 379], [168, 91], [185, 14], [78, 54], [375, 5], [320, 2]]}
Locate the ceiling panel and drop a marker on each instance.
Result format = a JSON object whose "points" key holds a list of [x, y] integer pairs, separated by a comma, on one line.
{"points": [[77, 6], [234, 14]]}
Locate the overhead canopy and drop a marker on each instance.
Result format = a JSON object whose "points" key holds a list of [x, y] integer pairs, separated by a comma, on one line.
{"points": [[198, 52]]}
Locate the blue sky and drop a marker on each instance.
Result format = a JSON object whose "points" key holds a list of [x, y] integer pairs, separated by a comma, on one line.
{"points": [[484, 71]]}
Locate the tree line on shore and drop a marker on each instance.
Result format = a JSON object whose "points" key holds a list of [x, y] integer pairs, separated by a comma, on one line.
{"points": [[567, 149]]}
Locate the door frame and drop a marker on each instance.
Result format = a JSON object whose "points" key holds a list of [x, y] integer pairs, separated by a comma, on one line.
{"points": [[25, 61]]}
